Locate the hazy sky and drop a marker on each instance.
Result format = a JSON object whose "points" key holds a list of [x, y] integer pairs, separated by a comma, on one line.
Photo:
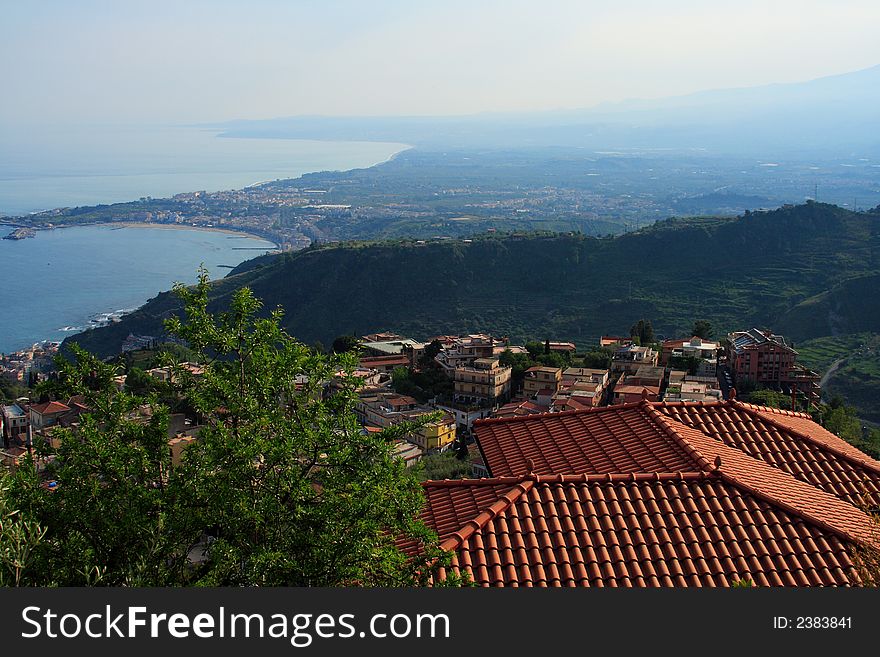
{"points": [[133, 61]]}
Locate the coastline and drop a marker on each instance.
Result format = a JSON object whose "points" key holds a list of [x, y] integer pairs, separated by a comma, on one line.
{"points": [[141, 224]]}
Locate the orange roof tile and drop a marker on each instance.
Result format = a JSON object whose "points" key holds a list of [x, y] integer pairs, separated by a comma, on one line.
{"points": [[614, 439], [49, 408], [701, 511], [789, 441], [692, 529]]}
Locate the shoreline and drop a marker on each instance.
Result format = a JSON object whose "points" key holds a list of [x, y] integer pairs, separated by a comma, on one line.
{"points": [[141, 224]]}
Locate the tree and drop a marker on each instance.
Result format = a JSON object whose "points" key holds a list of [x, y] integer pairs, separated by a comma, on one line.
{"points": [[643, 331], [430, 353], [20, 538], [283, 487], [345, 343], [702, 329]]}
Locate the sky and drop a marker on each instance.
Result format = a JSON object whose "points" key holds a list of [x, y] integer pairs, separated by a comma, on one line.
{"points": [[134, 62]]}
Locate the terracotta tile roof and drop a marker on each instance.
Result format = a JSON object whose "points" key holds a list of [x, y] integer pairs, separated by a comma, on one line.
{"points": [[48, 408], [701, 511], [691, 529], [789, 441], [615, 439]]}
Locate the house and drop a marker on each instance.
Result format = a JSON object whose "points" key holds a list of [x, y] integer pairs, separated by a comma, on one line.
{"points": [[579, 387], [13, 425], [384, 363], [694, 347], [614, 341], [486, 382], [393, 347], [464, 350], [385, 409], [47, 414], [562, 347], [541, 378], [629, 358], [626, 393], [657, 494]]}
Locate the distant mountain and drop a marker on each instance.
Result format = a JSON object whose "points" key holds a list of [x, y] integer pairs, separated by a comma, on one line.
{"points": [[836, 114], [804, 270]]}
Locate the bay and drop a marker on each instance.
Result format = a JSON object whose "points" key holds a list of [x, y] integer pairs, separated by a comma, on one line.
{"points": [[55, 166], [58, 282], [64, 278]]}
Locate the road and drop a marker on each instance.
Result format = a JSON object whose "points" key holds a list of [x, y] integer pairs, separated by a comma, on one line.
{"points": [[831, 371]]}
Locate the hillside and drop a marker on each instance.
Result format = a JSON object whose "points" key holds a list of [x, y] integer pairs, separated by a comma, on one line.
{"points": [[763, 268]]}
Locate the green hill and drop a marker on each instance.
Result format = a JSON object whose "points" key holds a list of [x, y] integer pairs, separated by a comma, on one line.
{"points": [[806, 270]]}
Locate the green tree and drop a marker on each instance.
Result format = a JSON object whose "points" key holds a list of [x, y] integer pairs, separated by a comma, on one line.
{"points": [[643, 331], [766, 397], [282, 487], [431, 350], [702, 329], [345, 343], [20, 538]]}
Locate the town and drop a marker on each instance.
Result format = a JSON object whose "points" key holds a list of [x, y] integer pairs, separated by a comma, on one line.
{"points": [[445, 383]]}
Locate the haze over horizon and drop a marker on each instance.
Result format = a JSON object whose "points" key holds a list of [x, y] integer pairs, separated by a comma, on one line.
{"points": [[98, 62]]}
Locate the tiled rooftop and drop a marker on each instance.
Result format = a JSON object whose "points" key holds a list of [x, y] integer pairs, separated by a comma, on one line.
{"points": [[627, 438], [789, 441], [693, 529], [595, 441], [652, 494]]}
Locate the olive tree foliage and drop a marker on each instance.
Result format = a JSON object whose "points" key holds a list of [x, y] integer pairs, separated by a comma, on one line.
{"points": [[19, 539], [281, 487]]}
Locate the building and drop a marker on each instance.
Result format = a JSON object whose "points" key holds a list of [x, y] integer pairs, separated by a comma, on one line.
{"points": [[384, 363], [629, 358], [659, 495], [614, 341], [461, 351], [579, 387], [685, 387], [13, 425], [562, 347], [392, 347], [694, 347], [486, 382], [766, 359], [538, 379], [47, 414], [625, 393], [385, 409]]}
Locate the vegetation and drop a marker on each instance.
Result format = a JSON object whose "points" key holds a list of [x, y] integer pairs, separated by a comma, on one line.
{"points": [[702, 329], [856, 374], [281, 488], [642, 331], [806, 271], [445, 465]]}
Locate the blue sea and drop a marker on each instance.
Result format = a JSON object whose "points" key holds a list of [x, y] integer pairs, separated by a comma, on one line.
{"points": [[57, 167], [64, 280]]}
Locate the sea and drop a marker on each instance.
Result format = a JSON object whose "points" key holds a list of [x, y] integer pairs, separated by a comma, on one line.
{"points": [[67, 279]]}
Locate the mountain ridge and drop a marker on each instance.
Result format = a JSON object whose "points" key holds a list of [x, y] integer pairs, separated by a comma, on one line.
{"points": [[762, 268]]}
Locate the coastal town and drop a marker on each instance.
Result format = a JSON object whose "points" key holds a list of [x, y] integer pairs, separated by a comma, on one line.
{"points": [[446, 383]]}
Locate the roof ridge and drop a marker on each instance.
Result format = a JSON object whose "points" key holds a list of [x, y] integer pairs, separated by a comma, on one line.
{"points": [[535, 416], [484, 481], [769, 409], [778, 487], [668, 426], [503, 502], [753, 410]]}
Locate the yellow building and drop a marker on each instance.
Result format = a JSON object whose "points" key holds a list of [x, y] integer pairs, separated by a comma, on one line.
{"points": [[436, 435]]}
